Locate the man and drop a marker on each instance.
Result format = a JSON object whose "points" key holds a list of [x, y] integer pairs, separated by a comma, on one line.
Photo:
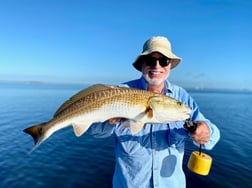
{"points": [[154, 156]]}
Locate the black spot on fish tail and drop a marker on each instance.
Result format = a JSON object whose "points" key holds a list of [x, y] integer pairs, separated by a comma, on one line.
{"points": [[35, 131]]}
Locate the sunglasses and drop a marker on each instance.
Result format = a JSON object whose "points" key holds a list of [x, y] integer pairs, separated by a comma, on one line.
{"points": [[152, 61]]}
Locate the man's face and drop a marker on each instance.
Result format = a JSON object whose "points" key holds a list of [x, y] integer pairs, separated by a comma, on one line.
{"points": [[155, 68]]}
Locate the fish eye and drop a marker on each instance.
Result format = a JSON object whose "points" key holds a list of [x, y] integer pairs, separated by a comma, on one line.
{"points": [[179, 103]]}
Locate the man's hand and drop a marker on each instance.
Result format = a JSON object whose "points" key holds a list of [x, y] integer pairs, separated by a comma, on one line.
{"points": [[202, 134], [114, 121]]}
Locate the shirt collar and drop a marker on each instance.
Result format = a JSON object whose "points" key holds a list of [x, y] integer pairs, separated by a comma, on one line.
{"points": [[168, 87]]}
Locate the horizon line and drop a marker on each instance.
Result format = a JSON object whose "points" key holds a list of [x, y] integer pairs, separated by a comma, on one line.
{"points": [[194, 88]]}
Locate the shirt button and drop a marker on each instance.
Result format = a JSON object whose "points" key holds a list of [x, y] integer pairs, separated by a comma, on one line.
{"points": [[155, 168]]}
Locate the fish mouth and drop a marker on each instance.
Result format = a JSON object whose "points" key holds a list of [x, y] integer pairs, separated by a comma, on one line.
{"points": [[188, 114]]}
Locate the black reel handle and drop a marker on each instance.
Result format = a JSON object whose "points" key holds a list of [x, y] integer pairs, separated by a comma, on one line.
{"points": [[191, 126]]}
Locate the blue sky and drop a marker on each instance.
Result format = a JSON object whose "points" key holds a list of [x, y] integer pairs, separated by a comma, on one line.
{"points": [[75, 41]]}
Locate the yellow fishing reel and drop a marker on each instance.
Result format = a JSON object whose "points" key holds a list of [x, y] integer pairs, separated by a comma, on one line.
{"points": [[199, 162]]}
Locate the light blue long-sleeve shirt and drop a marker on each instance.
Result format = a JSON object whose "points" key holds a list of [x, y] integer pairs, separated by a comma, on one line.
{"points": [[154, 156]]}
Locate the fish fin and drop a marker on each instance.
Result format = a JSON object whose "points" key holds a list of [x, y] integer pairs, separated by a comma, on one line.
{"points": [[79, 128], [149, 112], [79, 95], [36, 132], [135, 126], [126, 124]]}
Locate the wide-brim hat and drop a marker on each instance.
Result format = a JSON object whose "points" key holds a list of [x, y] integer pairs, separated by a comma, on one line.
{"points": [[157, 44]]}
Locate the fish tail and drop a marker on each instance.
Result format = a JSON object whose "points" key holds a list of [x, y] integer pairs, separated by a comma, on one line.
{"points": [[36, 132]]}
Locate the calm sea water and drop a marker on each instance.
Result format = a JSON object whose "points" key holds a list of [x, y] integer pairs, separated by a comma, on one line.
{"points": [[67, 161]]}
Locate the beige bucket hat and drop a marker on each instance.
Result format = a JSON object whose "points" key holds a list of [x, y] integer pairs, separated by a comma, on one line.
{"points": [[157, 44]]}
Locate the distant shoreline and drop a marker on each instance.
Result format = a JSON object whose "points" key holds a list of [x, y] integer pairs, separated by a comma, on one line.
{"points": [[24, 82], [189, 89], [39, 82]]}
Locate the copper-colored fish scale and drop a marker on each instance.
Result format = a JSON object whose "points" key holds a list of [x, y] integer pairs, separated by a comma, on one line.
{"points": [[100, 102], [79, 96], [97, 96]]}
